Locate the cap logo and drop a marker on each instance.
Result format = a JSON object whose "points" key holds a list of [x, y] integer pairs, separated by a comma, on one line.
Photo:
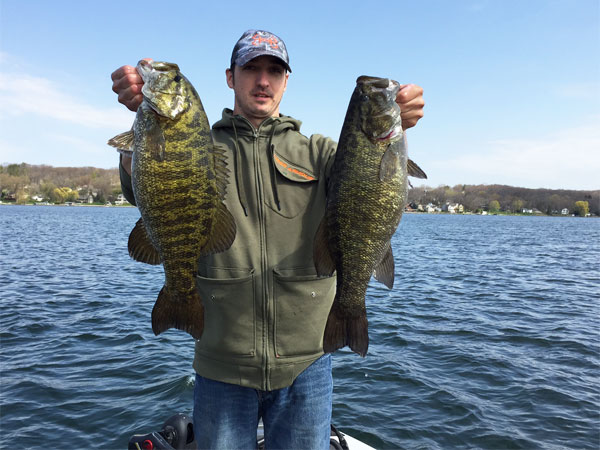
{"points": [[272, 41]]}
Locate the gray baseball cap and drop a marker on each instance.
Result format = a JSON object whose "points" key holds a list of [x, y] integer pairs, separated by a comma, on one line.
{"points": [[254, 43]]}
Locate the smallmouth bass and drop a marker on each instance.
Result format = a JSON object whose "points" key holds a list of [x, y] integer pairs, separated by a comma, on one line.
{"points": [[179, 180], [366, 198]]}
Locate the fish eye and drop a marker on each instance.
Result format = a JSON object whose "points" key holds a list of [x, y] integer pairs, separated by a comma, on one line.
{"points": [[177, 78]]}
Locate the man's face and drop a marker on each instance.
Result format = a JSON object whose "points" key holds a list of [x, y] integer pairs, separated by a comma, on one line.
{"points": [[258, 86]]}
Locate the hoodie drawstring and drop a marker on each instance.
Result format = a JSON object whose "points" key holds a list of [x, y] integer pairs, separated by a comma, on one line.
{"points": [[271, 147], [238, 171]]}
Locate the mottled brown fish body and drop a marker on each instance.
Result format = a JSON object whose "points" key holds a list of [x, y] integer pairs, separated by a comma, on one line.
{"points": [[366, 197], [178, 180]]}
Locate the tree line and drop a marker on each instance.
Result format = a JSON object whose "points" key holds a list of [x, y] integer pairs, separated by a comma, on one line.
{"points": [[501, 198], [21, 182]]}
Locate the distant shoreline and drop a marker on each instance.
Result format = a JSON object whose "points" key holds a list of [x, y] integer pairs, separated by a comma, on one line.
{"points": [[442, 213], [69, 206]]}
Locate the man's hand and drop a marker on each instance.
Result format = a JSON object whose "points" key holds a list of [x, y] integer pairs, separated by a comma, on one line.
{"points": [[127, 84], [410, 100]]}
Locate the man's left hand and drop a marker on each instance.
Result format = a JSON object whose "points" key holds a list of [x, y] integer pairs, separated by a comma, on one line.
{"points": [[410, 100]]}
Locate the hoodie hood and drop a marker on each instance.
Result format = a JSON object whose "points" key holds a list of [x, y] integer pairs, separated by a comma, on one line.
{"points": [[243, 126]]}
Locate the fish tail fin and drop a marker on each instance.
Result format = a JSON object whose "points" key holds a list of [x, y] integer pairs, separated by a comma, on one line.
{"points": [[357, 334], [184, 314], [342, 331], [335, 333]]}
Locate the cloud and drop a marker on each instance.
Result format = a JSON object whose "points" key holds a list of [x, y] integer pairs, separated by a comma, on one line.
{"points": [[569, 159], [24, 94]]}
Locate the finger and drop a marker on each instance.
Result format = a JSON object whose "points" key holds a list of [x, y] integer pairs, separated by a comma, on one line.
{"points": [[408, 92], [410, 118], [131, 97], [413, 104], [135, 102], [127, 81], [121, 72]]}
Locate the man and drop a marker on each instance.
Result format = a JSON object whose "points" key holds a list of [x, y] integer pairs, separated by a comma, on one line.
{"points": [[261, 355]]}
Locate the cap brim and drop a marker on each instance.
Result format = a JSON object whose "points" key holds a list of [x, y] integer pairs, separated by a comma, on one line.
{"points": [[246, 58]]}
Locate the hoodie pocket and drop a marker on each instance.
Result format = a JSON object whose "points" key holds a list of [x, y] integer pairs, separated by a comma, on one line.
{"points": [[302, 304], [229, 319], [293, 187]]}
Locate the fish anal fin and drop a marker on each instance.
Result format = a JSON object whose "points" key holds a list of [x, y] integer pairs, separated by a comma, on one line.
{"points": [[384, 272], [324, 263], [185, 313], [140, 246], [414, 170], [223, 232]]}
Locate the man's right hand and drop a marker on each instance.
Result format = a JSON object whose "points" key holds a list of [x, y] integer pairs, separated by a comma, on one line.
{"points": [[127, 84]]}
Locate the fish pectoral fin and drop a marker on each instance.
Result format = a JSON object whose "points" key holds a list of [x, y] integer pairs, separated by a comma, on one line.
{"points": [[390, 163], [384, 272], [321, 253], [155, 141], [140, 246], [414, 170], [123, 142], [223, 232]]}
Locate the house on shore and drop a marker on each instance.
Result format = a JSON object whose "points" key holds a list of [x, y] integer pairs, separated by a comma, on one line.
{"points": [[121, 200], [453, 208]]}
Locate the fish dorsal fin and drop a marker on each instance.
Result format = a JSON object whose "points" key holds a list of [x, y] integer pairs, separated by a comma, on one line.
{"points": [[140, 246], [321, 253], [123, 142], [223, 232], [384, 272], [221, 170], [414, 170]]}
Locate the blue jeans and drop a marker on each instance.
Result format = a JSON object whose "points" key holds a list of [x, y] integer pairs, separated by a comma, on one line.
{"points": [[296, 417]]}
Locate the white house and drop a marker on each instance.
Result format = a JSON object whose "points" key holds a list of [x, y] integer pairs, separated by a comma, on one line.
{"points": [[453, 208], [121, 200]]}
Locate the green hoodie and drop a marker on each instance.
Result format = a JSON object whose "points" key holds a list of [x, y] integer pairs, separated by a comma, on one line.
{"points": [[265, 307]]}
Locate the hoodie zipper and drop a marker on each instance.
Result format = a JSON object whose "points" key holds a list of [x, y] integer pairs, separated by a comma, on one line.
{"points": [[263, 256], [266, 305]]}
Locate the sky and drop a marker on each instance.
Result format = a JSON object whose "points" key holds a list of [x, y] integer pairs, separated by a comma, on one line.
{"points": [[512, 87]]}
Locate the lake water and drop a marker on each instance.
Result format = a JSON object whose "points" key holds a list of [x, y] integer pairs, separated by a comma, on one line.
{"points": [[489, 339]]}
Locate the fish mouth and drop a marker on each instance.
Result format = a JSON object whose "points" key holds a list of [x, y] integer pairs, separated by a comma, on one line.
{"points": [[381, 115], [390, 135], [377, 83], [163, 89], [145, 68]]}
